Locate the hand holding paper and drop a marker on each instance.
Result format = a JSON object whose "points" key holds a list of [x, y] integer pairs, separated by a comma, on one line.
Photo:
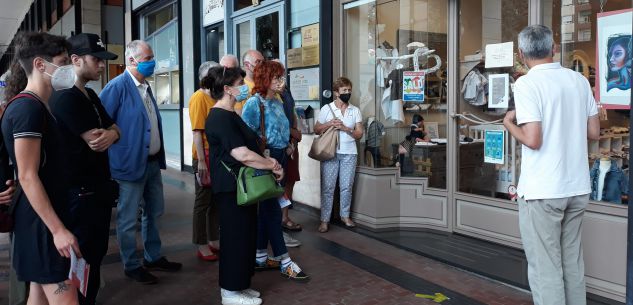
{"points": [[79, 271]]}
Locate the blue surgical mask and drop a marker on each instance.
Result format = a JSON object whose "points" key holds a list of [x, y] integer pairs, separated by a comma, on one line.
{"points": [[243, 93], [146, 68]]}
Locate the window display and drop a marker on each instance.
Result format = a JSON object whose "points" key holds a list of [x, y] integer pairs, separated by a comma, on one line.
{"points": [[395, 53], [488, 157], [605, 59]]}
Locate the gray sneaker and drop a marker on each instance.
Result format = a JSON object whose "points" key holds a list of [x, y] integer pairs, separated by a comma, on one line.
{"points": [[291, 242]]}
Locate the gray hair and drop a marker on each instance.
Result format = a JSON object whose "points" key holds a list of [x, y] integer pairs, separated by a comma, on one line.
{"points": [[230, 58], [205, 67], [133, 49], [536, 42]]}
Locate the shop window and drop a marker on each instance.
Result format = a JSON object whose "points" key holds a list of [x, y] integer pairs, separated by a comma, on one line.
{"points": [[267, 38], [244, 37], [488, 157], [164, 42], [604, 65], [157, 19], [392, 93], [215, 43], [240, 4], [303, 12]]}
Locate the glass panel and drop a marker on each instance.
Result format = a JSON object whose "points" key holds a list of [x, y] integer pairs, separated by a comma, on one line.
{"points": [[243, 37], [359, 61], [166, 47], [376, 36], [303, 12], [158, 19], [240, 4], [575, 27], [175, 87], [161, 90], [267, 39], [486, 22], [215, 44]]}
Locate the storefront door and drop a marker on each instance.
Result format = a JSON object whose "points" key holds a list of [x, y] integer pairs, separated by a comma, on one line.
{"points": [[262, 30]]}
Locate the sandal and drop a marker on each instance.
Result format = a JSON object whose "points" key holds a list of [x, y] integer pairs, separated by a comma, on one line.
{"points": [[291, 226], [323, 227]]}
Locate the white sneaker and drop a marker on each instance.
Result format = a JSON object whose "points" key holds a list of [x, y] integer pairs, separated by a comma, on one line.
{"points": [[291, 242], [241, 299], [251, 293]]}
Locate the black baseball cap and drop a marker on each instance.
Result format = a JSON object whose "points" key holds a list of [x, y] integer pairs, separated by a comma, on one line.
{"points": [[89, 44]]}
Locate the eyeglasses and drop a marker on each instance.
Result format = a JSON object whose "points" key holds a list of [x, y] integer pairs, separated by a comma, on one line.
{"points": [[223, 71], [280, 79]]}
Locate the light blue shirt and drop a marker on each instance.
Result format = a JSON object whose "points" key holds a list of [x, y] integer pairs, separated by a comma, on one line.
{"points": [[275, 120]]}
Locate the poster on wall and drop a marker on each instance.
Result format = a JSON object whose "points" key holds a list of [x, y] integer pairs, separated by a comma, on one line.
{"points": [[304, 84], [613, 59], [413, 86], [494, 146], [498, 90], [213, 12]]}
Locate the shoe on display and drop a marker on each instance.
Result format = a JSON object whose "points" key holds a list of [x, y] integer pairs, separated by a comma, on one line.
{"points": [[291, 242]]}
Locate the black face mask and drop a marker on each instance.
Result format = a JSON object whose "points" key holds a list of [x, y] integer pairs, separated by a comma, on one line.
{"points": [[345, 97]]}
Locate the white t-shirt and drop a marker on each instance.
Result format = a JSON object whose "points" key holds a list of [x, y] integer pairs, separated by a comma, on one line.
{"points": [[347, 144], [562, 100]]}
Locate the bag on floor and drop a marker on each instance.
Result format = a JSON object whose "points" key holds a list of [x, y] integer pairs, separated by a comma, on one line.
{"points": [[255, 185]]}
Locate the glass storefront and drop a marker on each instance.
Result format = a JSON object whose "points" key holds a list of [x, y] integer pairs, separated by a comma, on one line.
{"points": [[600, 54], [402, 129]]}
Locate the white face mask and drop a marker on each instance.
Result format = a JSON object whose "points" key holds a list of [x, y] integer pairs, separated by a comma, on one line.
{"points": [[64, 77]]}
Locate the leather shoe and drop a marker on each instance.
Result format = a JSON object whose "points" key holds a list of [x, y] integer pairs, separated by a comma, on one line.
{"points": [[142, 276], [209, 258], [162, 264]]}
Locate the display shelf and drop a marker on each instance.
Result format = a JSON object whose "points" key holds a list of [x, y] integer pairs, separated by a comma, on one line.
{"points": [[608, 145]]}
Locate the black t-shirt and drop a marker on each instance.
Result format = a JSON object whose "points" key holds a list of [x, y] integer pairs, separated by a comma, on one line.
{"points": [[225, 131], [76, 114], [29, 118]]}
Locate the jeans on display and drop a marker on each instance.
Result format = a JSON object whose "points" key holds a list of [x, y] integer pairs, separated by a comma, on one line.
{"points": [[149, 190]]}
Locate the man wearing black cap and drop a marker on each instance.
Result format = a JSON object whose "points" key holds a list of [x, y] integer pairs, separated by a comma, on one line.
{"points": [[87, 133]]}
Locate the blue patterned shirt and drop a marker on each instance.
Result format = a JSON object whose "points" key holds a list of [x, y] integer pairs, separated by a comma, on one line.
{"points": [[277, 126]]}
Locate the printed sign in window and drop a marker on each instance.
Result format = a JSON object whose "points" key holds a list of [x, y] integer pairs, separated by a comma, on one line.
{"points": [[413, 86], [494, 146]]}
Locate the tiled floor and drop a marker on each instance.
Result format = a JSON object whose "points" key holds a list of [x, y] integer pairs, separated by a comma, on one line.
{"points": [[346, 268]]}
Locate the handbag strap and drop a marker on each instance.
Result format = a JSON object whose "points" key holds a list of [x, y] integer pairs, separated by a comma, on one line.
{"points": [[229, 169], [262, 121], [338, 143]]}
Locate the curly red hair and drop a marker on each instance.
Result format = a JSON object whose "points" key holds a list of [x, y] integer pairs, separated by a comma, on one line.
{"points": [[264, 74]]}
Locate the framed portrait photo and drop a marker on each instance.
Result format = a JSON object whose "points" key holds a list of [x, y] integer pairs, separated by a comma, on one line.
{"points": [[613, 59]]}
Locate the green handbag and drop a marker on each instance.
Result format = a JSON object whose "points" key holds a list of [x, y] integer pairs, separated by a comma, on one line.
{"points": [[255, 185]]}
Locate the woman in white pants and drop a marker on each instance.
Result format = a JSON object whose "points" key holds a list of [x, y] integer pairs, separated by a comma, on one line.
{"points": [[348, 120]]}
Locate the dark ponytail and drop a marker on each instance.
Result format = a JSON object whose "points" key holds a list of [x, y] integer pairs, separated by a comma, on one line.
{"points": [[16, 81]]}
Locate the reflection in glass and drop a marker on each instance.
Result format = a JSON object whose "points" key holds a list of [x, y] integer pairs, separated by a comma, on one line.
{"points": [[166, 47], [175, 87], [244, 37], [161, 90], [267, 39], [158, 19], [483, 23], [215, 43]]}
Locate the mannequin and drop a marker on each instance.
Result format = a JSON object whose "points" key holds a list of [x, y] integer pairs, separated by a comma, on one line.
{"points": [[605, 165], [373, 142]]}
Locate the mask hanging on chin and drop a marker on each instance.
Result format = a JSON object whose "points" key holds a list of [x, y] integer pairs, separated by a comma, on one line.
{"points": [[345, 97], [63, 78]]}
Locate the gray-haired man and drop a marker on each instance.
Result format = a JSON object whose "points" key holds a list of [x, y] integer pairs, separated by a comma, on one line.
{"points": [[555, 115]]}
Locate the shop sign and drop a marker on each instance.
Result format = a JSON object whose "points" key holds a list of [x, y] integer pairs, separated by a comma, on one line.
{"points": [[310, 55], [500, 55], [213, 11], [413, 86], [294, 58], [304, 84], [494, 146], [310, 35]]}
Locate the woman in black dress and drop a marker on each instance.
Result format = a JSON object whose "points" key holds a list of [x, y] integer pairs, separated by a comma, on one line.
{"points": [[233, 143], [41, 241]]}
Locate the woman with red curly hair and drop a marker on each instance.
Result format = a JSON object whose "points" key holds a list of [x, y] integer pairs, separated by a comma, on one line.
{"points": [[269, 77]]}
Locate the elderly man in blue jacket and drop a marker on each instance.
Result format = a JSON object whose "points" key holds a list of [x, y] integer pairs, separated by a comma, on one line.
{"points": [[135, 162]]}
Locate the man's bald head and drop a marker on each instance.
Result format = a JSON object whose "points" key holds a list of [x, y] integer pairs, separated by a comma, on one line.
{"points": [[229, 61], [250, 60]]}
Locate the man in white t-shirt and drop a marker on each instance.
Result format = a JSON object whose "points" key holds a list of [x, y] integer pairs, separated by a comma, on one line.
{"points": [[555, 115]]}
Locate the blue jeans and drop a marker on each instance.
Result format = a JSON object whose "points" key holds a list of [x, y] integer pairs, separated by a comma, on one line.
{"points": [[269, 217], [149, 190]]}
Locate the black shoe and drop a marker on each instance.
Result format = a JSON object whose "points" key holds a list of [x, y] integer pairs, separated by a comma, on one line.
{"points": [[141, 276], [162, 264]]}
